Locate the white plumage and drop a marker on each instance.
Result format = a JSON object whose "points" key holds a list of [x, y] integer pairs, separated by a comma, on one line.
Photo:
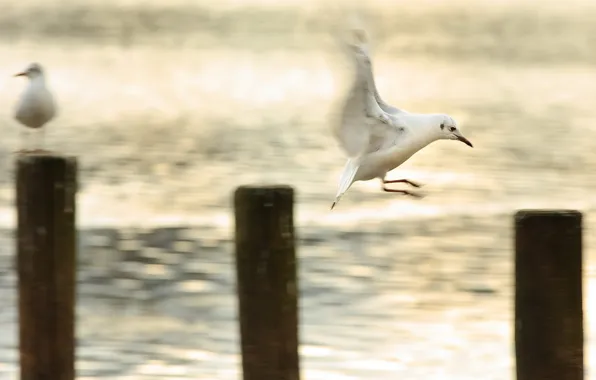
{"points": [[378, 137], [36, 106]]}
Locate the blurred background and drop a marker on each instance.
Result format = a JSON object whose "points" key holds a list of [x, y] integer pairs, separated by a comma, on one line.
{"points": [[170, 105]]}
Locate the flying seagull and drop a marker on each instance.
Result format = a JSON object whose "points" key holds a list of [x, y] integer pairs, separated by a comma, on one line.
{"points": [[378, 137]]}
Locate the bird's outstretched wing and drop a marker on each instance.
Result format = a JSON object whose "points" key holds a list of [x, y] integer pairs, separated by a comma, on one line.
{"points": [[364, 126], [357, 48]]}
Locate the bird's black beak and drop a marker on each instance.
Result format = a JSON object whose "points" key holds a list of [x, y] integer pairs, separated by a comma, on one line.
{"points": [[23, 74], [464, 140]]}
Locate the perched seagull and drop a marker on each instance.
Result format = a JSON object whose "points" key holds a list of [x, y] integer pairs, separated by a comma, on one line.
{"points": [[378, 137], [36, 106]]}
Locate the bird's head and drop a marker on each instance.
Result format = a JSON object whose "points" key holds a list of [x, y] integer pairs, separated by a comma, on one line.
{"points": [[448, 130], [34, 70]]}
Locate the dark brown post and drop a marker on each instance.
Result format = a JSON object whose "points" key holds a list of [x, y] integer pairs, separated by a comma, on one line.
{"points": [[548, 295], [266, 280], [46, 262]]}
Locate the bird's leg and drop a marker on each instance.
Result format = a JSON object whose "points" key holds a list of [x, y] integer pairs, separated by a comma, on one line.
{"points": [[25, 143], [36, 139], [42, 135], [24, 140], [40, 140], [402, 181], [404, 192]]}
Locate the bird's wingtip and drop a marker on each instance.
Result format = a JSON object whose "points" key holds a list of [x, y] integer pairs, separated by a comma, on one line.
{"points": [[359, 35]]}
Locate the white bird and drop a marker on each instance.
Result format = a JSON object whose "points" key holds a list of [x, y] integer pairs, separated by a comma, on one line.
{"points": [[378, 137], [36, 106]]}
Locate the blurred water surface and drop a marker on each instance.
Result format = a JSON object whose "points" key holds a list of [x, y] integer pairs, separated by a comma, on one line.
{"points": [[171, 105]]}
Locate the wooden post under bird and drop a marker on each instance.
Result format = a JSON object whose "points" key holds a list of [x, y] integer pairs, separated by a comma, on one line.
{"points": [[46, 265]]}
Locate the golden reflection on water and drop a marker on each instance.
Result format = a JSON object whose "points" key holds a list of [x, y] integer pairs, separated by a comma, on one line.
{"points": [[169, 124]]}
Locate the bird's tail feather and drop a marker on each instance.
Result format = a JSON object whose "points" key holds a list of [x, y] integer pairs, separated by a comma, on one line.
{"points": [[347, 178]]}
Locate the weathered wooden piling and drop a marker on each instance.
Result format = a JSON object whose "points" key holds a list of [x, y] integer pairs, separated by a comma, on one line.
{"points": [[266, 281], [548, 295], [46, 264]]}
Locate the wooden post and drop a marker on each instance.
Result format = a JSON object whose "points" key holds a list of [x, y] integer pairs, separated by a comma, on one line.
{"points": [[266, 280], [46, 262], [548, 295]]}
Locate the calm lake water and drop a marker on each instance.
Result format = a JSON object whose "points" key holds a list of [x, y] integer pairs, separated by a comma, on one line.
{"points": [[172, 106]]}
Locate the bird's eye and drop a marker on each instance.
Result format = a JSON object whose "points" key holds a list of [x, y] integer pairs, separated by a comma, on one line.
{"points": [[442, 125], [452, 129]]}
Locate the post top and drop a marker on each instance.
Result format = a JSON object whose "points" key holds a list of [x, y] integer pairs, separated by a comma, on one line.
{"points": [[524, 214], [263, 188], [38, 157]]}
